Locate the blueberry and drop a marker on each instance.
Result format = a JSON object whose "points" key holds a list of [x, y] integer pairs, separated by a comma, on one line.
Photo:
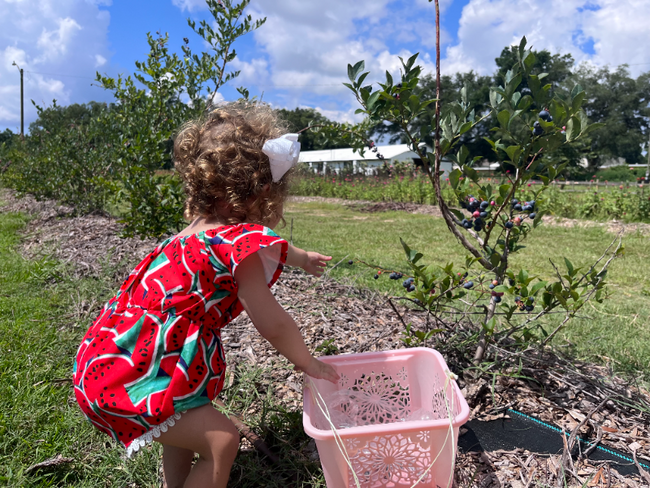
{"points": [[533, 215], [485, 205], [509, 224], [544, 115], [528, 208], [376, 276], [468, 285], [514, 201], [530, 308], [491, 286], [483, 214], [497, 299], [532, 203], [411, 288], [511, 281], [350, 262], [537, 129], [518, 207], [393, 276]]}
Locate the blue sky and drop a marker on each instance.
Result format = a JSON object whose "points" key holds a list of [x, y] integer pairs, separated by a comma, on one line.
{"points": [[299, 57]]}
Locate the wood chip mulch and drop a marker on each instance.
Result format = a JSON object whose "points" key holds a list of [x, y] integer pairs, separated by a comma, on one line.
{"points": [[580, 397]]}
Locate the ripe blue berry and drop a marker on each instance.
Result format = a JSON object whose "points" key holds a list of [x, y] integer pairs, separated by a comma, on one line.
{"points": [[514, 201], [485, 205], [544, 115], [533, 215], [491, 286], [376, 276], [518, 207], [411, 288], [483, 214], [468, 285], [350, 262], [497, 299], [509, 224]]}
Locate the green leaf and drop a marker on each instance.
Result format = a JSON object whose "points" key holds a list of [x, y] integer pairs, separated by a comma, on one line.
{"points": [[503, 190], [471, 173], [537, 286], [523, 276], [372, 100], [577, 101], [463, 154], [501, 289], [353, 71], [464, 128], [459, 215], [513, 153], [495, 259], [504, 118], [569, 267], [576, 89], [411, 60], [454, 178]]}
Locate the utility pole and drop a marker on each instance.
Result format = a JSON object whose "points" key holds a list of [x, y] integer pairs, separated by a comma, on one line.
{"points": [[22, 104], [647, 170]]}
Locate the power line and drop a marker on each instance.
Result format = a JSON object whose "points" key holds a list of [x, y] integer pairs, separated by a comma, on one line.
{"points": [[55, 74]]}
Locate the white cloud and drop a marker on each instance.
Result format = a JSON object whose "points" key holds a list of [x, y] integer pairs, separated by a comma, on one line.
{"points": [[189, 5], [618, 29], [59, 44], [99, 60], [341, 115], [54, 44]]}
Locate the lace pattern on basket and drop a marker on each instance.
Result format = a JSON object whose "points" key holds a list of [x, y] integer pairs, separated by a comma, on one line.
{"points": [[148, 437]]}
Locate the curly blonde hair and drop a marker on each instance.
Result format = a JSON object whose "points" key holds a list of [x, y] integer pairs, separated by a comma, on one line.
{"points": [[221, 163]]}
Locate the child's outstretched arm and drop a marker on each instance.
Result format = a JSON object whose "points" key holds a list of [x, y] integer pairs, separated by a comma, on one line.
{"points": [[273, 322], [312, 262]]}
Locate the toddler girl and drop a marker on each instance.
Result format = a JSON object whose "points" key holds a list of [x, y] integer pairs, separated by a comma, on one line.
{"points": [[151, 364]]}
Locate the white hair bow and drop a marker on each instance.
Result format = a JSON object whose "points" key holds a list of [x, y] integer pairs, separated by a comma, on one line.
{"points": [[283, 154]]}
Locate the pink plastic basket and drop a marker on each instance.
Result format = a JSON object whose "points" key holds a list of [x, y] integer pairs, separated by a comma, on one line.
{"points": [[379, 394]]}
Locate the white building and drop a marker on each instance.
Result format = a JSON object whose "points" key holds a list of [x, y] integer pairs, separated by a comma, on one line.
{"points": [[347, 160]]}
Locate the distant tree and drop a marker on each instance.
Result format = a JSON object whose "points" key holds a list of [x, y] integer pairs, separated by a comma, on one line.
{"points": [[298, 119], [7, 137], [56, 116], [621, 103], [558, 67]]}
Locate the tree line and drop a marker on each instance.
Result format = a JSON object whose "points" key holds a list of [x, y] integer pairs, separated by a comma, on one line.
{"points": [[615, 98]]}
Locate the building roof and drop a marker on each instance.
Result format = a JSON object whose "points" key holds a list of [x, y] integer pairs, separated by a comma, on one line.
{"points": [[348, 154]]}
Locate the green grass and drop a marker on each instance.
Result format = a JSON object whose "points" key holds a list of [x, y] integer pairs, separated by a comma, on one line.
{"points": [[40, 331], [616, 331]]}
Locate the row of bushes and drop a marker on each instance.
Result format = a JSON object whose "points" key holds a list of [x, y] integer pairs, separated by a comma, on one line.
{"points": [[625, 202], [110, 161]]}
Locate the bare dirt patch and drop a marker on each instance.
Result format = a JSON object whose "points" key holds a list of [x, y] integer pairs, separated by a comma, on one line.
{"points": [[586, 398]]}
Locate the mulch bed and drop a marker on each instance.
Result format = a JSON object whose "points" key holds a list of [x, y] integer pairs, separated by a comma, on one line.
{"points": [[586, 398]]}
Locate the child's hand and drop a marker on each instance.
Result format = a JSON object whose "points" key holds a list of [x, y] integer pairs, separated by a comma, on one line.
{"points": [[316, 263], [319, 370]]}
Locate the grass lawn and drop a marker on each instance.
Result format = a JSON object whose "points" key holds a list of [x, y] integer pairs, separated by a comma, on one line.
{"points": [[41, 326], [618, 331]]}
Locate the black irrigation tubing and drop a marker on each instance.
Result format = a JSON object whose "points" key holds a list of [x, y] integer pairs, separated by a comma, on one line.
{"points": [[560, 431]]}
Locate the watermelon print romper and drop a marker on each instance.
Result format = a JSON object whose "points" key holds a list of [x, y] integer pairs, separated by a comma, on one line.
{"points": [[155, 350]]}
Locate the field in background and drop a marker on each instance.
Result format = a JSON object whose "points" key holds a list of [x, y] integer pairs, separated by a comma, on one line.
{"points": [[597, 200], [616, 332]]}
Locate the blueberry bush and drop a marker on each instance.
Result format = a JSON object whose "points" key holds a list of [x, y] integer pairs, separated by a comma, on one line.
{"points": [[493, 220], [114, 159]]}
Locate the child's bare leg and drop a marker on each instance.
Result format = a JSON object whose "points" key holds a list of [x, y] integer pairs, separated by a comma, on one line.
{"points": [[209, 433], [177, 463]]}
